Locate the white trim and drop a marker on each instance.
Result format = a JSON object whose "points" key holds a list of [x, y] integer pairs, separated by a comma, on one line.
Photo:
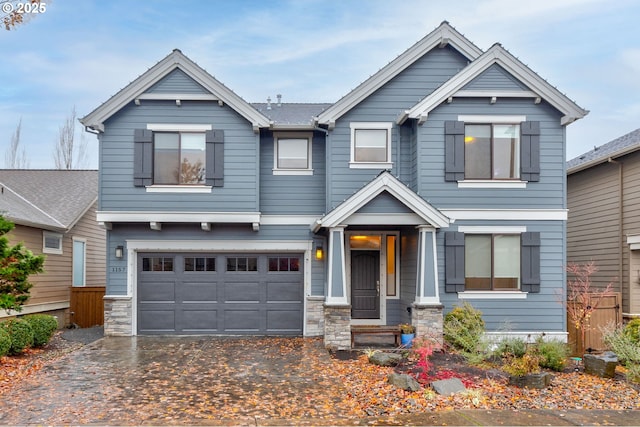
{"points": [[84, 261], [178, 127], [36, 308], [354, 126], [155, 96], [491, 229], [492, 295], [528, 336], [507, 214], [336, 300], [287, 219], [178, 189], [497, 119], [421, 299], [184, 217], [495, 93], [371, 165], [492, 183], [384, 218], [293, 135], [297, 172], [50, 234]]}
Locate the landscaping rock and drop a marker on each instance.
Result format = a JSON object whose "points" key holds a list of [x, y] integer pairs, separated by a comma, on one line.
{"points": [[385, 359], [602, 365], [541, 380], [448, 386], [404, 381]]}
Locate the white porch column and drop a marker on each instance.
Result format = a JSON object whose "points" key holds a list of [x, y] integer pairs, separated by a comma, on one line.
{"points": [[427, 289], [337, 277]]}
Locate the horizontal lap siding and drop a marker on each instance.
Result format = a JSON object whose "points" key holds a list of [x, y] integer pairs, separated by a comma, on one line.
{"points": [[177, 82], [495, 77], [539, 311], [239, 192]]}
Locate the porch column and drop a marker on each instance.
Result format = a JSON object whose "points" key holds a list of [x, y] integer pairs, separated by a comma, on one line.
{"points": [[337, 277], [427, 291]]}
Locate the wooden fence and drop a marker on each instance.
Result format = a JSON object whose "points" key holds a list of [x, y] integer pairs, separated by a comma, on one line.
{"points": [[87, 305], [608, 311]]}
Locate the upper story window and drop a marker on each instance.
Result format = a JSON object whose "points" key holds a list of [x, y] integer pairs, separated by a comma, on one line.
{"points": [[292, 154], [492, 151], [371, 145], [179, 158], [51, 242]]}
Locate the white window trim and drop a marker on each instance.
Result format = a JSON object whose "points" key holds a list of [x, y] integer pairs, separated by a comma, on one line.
{"points": [[84, 263], [158, 188], [493, 119], [51, 234], [492, 295], [178, 127], [293, 135], [353, 164]]}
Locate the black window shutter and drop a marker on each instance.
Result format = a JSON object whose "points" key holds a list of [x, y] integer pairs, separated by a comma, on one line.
{"points": [[530, 261], [454, 261], [142, 157], [215, 158], [530, 151], [453, 151]]}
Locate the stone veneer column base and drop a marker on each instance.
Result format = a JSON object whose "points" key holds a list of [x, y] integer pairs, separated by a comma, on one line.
{"points": [[118, 316], [315, 316], [337, 327], [428, 320]]}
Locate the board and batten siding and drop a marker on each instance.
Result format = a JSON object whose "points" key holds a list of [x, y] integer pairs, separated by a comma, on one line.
{"points": [[292, 194], [386, 105], [542, 311], [548, 193], [240, 190]]}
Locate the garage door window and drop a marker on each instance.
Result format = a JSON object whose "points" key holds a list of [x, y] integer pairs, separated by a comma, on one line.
{"points": [[284, 264], [157, 264], [242, 264], [199, 264]]}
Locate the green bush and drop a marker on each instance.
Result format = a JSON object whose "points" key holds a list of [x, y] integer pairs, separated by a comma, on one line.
{"points": [[553, 354], [21, 335], [464, 328], [623, 345], [632, 330], [43, 327], [511, 346], [5, 342]]}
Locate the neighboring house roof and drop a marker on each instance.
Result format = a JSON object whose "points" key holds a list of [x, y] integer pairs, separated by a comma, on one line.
{"points": [[385, 181], [539, 88], [618, 147], [49, 199], [440, 37], [135, 91], [290, 114]]}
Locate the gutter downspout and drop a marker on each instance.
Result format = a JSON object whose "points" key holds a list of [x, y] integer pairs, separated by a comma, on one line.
{"points": [[620, 225]]}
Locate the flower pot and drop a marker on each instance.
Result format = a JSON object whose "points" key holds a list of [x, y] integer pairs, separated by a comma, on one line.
{"points": [[406, 339]]}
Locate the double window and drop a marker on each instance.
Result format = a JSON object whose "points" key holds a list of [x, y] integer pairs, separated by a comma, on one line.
{"points": [[492, 151], [492, 262], [371, 145], [179, 158], [292, 154]]}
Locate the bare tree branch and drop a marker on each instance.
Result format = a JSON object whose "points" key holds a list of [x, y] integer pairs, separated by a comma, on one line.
{"points": [[15, 158], [69, 154]]}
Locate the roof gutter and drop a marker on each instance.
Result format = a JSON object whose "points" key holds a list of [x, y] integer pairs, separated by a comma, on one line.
{"points": [[603, 159]]}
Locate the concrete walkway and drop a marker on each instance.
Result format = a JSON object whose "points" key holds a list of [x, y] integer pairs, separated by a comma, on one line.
{"points": [[222, 381]]}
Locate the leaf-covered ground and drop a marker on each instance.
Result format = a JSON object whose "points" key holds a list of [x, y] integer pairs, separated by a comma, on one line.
{"points": [[240, 379]]}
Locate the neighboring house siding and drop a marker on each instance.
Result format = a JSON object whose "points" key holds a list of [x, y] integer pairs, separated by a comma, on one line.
{"points": [[292, 194], [177, 82], [240, 190], [386, 105], [548, 193], [87, 228]]}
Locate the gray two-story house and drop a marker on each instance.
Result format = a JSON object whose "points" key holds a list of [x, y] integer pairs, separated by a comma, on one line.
{"points": [[438, 180]]}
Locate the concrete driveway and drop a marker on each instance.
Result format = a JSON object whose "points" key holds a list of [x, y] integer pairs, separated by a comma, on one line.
{"points": [[179, 380]]}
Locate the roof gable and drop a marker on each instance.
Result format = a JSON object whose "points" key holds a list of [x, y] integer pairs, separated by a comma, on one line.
{"points": [[51, 199], [539, 88], [175, 60], [444, 35], [177, 81], [384, 182]]}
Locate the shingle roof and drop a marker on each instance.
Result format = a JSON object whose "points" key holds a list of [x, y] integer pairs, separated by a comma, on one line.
{"points": [[622, 145], [291, 113], [53, 199]]}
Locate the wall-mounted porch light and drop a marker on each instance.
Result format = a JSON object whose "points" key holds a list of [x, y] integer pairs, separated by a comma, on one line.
{"points": [[319, 253], [119, 252]]}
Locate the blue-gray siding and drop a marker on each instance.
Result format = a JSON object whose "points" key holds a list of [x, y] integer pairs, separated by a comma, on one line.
{"points": [[177, 82], [495, 77], [384, 203]]}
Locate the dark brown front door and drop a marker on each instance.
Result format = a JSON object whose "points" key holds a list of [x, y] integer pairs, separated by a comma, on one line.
{"points": [[365, 284]]}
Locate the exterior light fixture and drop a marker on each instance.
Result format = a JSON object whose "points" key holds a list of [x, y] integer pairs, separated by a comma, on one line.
{"points": [[119, 252], [319, 253]]}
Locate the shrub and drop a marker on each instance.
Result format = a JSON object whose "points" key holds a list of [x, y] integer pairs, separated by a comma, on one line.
{"points": [[632, 330], [5, 342], [515, 346], [553, 354], [43, 327], [622, 345], [21, 335], [529, 363], [464, 328]]}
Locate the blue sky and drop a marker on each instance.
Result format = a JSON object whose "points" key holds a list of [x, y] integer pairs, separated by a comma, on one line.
{"points": [[80, 52]]}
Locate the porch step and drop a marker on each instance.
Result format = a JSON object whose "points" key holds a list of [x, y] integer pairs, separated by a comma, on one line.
{"points": [[375, 330]]}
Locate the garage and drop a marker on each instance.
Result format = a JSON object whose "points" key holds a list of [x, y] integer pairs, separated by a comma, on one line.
{"points": [[224, 294]]}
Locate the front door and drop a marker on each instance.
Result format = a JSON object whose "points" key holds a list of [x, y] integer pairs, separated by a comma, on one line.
{"points": [[365, 284]]}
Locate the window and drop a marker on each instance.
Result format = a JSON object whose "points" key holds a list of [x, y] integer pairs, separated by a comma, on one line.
{"points": [[492, 151], [242, 264], [157, 264], [51, 242], [371, 145], [292, 154], [492, 262], [179, 158], [284, 264], [199, 264], [79, 254]]}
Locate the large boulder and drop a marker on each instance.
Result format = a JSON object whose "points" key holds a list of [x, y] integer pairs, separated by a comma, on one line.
{"points": [[602, 365], [448, 386], [404, 381], [385, 359]]}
